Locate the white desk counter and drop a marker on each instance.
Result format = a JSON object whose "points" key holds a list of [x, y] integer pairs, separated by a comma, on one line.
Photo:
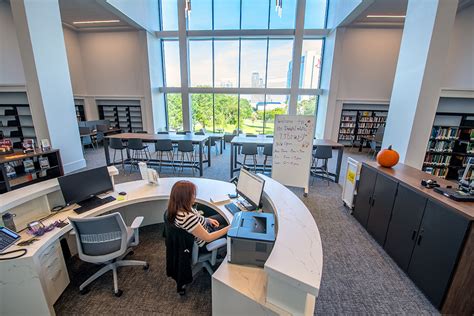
{"points": [[288, 284]]}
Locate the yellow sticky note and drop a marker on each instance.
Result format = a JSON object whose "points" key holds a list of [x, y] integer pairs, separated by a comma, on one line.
{"points": [[351, 176]]}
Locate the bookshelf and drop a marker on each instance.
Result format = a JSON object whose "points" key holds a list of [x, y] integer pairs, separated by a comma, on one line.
{"points": [[126, 117], [356, 124], [450, 145], [16, 123], [18, 169]]}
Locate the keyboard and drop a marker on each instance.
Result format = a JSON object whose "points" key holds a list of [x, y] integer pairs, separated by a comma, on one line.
{"points": [[7, 238], [232, 208], [93, 203]]}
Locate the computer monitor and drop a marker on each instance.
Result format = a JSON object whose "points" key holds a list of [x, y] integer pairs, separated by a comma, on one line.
{"points": [[250, 186], [83, 185]]}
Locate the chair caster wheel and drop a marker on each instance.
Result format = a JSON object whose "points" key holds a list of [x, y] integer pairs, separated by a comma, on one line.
{"points": [[84, 291], [131, 253], [119, 293], [146, 267]]}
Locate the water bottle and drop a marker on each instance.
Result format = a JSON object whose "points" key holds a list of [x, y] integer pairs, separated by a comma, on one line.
{"points": [[7, 219]]}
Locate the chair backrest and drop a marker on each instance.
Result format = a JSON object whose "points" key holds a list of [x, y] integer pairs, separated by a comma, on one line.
{"points": [[179, 236], [268, 149], [228, 137], [164, 145], [378, 137], [249, 149], [250, 135], [185, 146], [323, 152], [269, 136], [84, 130], [141, 132], [135, 144], [163, 133], [99, 136], [183, 132], [86, 140], [203, 130], [199, 133], [116, 143], [100, 239], [102, 127]]}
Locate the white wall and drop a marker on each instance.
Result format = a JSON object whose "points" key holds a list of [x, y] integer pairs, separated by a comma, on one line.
{"points": [[75, 61], [11, 68]]}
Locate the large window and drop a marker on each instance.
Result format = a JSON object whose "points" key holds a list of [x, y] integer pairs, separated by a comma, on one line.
{"points": [[239, 59]]}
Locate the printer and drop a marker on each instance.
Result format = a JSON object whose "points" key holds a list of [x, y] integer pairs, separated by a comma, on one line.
{"points": [[250, 238]]}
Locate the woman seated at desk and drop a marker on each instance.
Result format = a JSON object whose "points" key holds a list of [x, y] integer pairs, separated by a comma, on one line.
{"points": [[182, 213]]}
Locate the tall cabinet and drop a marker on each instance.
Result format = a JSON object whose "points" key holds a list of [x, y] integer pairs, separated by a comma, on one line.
{"points": [[424, 232]]}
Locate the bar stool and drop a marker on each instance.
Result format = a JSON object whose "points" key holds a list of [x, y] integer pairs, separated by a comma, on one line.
{"points": [[250, 150], [267, 152], [213, 142], [139, 151], [186, 148], [164, 146], [116, 144], [324, 153]]}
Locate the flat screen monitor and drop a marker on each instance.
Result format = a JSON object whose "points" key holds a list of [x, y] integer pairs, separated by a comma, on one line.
{"points": [[250, 186], [83, 185]]}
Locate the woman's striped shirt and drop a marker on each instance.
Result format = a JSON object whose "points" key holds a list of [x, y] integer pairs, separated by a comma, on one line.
{"points": [[189, 221]]}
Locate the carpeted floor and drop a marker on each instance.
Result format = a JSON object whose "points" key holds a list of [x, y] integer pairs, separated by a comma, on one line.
{"points": [[358, 277]]}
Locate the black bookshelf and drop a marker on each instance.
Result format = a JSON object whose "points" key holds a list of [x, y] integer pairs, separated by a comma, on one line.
{"points": [[449, 147], [16, 123], [356, 124], [126, 117]]}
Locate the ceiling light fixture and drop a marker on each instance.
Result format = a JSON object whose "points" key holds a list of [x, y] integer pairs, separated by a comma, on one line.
{"points": [[96, 22], [386, 16]]}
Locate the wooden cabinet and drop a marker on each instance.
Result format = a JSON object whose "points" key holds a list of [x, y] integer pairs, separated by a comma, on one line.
{"points": [[364, 195], [436, 251], [404, 225], [381, 207]]}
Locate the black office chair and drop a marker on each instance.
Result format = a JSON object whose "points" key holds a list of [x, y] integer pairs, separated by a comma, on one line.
{"points": [[138, 150], [116, 144], [164, 146], [186, 148], [267, 152], [250, 150], [321, 153], [163, 133]]}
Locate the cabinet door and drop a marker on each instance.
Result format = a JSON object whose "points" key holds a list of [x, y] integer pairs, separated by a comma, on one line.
{"points": [[404, 224], [436, 250], [381, 210], [365, 190]]}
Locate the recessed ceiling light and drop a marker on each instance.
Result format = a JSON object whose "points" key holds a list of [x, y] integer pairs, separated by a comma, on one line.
{"points": [[386, 16], [96, 22]]}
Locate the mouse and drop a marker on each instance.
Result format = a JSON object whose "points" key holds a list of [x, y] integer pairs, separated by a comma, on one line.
{"points": [[122, 193]]}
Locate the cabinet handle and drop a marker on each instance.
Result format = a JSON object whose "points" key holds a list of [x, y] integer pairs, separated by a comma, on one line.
{"points": [[413, 235], [373, 201], [420, 236], [370, 200]]}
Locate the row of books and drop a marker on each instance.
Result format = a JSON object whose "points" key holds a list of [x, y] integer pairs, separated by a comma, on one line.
{"points": [[347, 124], [28, 166], [346, 137], [346, 131], [440, 146], [445, 133], [348, 118], [440, 172], [370, 125], [372, 119], [364, 131], [437, 160]]}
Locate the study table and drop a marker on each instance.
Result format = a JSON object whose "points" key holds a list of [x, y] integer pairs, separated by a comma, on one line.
{"points": [[287, 285], [261, 140]]}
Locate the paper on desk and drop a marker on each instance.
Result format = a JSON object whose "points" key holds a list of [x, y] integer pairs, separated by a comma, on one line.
{"points": [[217, 199]]}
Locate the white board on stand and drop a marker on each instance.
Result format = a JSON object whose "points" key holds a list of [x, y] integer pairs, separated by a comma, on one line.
{"points": [[292, 150]]}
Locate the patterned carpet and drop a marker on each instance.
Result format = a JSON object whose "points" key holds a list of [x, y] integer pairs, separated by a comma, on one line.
{"points": [[358, 277]]}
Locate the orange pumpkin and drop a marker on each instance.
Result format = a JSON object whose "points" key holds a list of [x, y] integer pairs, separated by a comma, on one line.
{"points": [[388, 157]]}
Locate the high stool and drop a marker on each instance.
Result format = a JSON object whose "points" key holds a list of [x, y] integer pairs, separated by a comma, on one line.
{"points": [[210, 142], [139, 151], [250, 150], [186, 148], [116, 144], [267, 152], [164, 146], [324, 153]]}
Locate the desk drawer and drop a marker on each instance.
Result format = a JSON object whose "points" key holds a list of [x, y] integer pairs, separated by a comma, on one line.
{"points": [[53, 272]]}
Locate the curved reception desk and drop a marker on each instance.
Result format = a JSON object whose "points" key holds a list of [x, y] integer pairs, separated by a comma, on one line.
{"points": [[288, 284]]}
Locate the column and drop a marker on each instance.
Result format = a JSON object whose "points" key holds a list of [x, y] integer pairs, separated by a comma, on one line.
{"points": [[416, 87], [297, 48], [48, 83], [183, 60]]}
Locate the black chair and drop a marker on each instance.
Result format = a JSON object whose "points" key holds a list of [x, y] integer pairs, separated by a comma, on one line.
{"points": [[321, 153], [99, 138], [141, 132], [250, 150], [213, 142], [138, 150], [186, 148], [164, 146], [163, 133], [267, 152], [116, 144], [250, 135], [183, 132], [102, 127]]}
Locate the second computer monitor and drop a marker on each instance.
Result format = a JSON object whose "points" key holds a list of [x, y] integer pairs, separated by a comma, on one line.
{"points": [[250, 186]]}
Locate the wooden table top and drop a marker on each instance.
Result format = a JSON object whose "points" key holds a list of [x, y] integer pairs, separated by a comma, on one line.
{"points": [[261, 140], [18, 154], [412, 177], [155, 137]]}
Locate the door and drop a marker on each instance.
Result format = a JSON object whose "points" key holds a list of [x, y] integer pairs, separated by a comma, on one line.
{"points": [[436, 250], [404, 225], [381, 210], [365, 190]]}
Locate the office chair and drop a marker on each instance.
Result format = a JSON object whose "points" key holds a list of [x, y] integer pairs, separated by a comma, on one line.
{"points": [[177, 236], [117, 144], [186, 148], [376, 143], [87, 140], [249, 149], [210, 142], [106, 240], [139, 151], [164, 146], [324, 153]]}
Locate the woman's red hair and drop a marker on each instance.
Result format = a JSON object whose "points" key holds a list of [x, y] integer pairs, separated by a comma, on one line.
{"points": [[181, 199]]}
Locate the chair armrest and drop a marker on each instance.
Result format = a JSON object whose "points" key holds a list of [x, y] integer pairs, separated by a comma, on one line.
{"points": [[216, 244], [137, 222]]}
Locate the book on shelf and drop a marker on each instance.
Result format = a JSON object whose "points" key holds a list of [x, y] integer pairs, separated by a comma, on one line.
{"points": [[43, 162], [11, 173], [28, 145], [445, 133], [28, 165]]}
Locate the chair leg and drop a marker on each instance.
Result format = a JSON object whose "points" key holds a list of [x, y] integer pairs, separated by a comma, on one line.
{"points": [[114, 271], [264, 163], [95, 276], [123, 163], [123, 263], [255, 163]]}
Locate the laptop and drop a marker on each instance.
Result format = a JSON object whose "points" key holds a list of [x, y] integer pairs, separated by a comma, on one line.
{"points": [[455, 195], [7, 238]]}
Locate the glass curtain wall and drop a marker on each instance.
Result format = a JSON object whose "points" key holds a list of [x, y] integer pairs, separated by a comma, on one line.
{"points": [[240, 81]]}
